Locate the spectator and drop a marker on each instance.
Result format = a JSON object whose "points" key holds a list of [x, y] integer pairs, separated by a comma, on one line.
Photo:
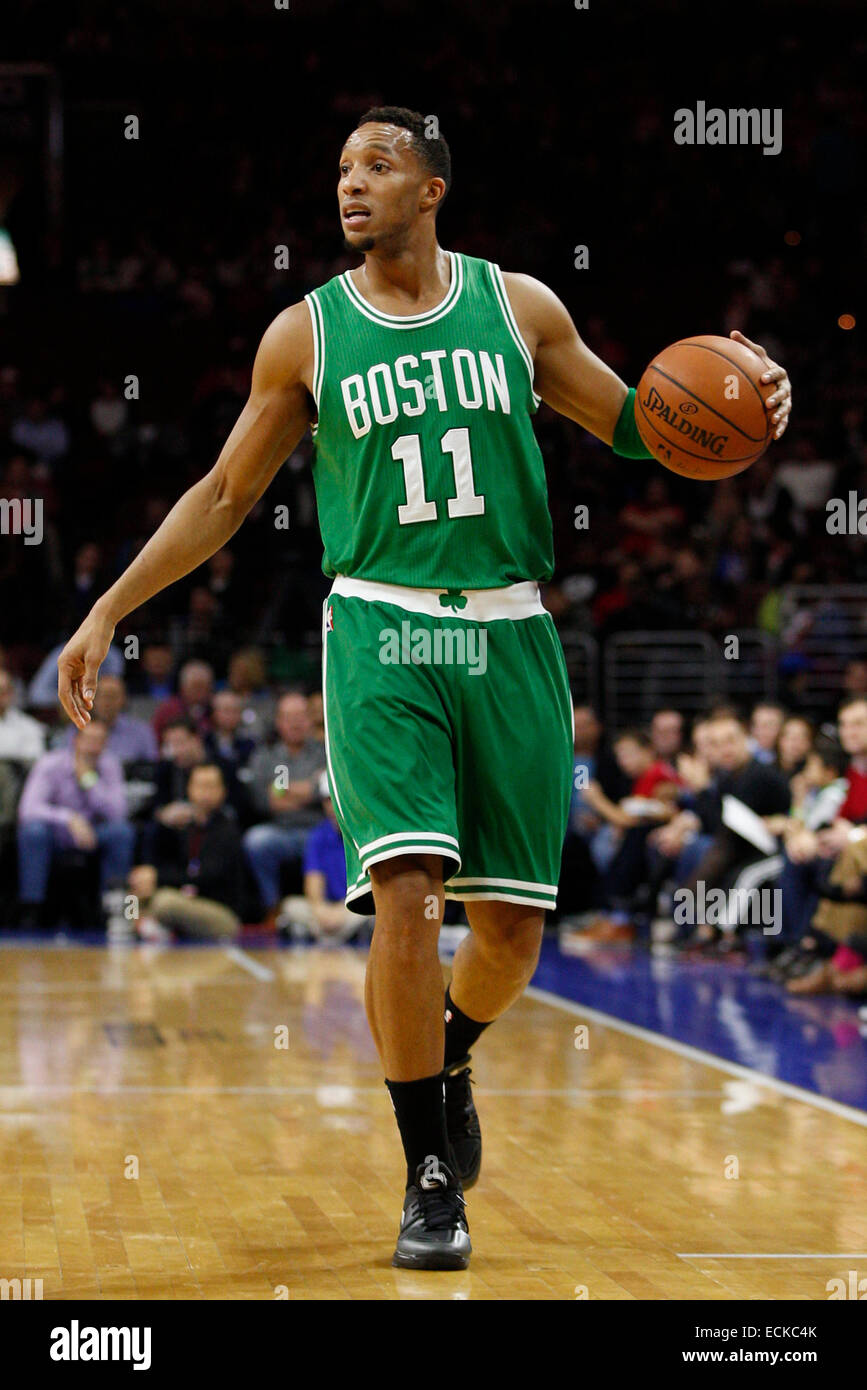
{"points": [[73, 799], [195, 889], [181, 750], [810, 852], [247, 677], [855, 677], [766, 722], [22, 738], [226, 739], [666, 734], [283, 787], [793, 747], [321, 912], [41, 433], [654, 789], [760, 787], [152, 678], [108, 411], [129, 739], [193, 700]]}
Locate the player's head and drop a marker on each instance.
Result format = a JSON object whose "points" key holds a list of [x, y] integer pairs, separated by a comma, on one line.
{"points": [[395, 170]]}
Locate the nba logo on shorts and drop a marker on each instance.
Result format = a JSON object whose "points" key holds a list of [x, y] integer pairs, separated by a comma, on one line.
{"points": [[329, 619]]}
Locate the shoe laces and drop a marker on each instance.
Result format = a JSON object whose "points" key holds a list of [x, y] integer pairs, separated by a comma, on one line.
{"points": [[441, 1203]]}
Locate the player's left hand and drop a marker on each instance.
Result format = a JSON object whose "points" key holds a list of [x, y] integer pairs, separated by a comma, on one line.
{"points": [[780, 401]]}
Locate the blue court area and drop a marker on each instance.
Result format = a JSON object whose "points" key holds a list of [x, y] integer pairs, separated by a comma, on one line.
{"points": [[722, 1008]]}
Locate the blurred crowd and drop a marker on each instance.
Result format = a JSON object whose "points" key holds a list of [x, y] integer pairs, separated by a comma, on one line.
{"points": [[707, 836], [182, 811]]}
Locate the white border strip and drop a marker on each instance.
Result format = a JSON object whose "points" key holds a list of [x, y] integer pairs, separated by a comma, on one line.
{"points": [[695, 1054], [720, 1255], [508, 313], [247, 963]]}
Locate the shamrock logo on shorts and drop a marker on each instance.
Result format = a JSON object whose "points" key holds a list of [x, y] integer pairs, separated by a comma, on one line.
{"points": [[453, 598]]}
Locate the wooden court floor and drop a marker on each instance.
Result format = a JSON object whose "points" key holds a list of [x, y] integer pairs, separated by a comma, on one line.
{"points": [[212, 1124]]}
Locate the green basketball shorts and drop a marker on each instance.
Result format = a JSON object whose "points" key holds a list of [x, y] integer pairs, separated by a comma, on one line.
{"points": [[448, 731]]}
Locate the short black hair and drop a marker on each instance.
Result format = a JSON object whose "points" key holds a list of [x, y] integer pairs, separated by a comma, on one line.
{"points": [[427, 142], [851, 700], [831, 754]]}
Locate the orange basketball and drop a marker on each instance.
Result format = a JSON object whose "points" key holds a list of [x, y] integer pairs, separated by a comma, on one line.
{"points": [[700, 407]]}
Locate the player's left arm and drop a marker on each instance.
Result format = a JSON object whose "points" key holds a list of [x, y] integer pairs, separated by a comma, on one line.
{"points": [[575, 382]]}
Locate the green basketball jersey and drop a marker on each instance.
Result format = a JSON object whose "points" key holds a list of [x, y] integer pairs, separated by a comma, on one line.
{"points": [[427, 471]]}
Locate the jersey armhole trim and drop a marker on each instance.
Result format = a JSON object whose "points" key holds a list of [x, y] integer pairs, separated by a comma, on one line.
{"points": [[512, 325], [317, 324]]}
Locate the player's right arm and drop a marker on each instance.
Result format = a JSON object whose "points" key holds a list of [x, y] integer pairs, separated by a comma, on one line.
{"points": [[277, 412]]}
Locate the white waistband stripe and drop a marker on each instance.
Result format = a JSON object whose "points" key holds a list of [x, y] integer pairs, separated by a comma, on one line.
{"points": [[470, 605]]}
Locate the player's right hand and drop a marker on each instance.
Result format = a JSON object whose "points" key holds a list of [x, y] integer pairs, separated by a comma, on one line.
{"points": [[78, 667]]}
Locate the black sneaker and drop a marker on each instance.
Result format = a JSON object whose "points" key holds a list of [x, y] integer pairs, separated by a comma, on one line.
{"points": [[433, 1227], [462, 1123]]}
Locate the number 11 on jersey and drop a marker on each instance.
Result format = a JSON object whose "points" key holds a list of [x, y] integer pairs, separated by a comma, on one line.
{"points": [[467, 502]]}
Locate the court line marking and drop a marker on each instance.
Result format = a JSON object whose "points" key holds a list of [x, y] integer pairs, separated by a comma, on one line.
{"points": [[58, 1089], [719, 1255], [246, 962], [696, 1054]]}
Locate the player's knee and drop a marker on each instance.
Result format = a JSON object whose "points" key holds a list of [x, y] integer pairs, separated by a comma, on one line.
{"points": [[514, 940], [407, 888]]}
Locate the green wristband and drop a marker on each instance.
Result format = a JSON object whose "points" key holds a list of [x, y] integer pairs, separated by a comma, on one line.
{"points": [[627, 441]]}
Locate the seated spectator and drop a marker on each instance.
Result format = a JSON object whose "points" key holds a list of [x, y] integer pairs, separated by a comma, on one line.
{"points": [[809, 853], [227, 739], [676, 848], [655, 783], [793, 747], [192, 702], [246, 676], [151, 677], [41, 432], [766, 722], [321, 912], [283, 788], [129, 739], [824, 791], [181, 750], [652, 779], [195, 888], [73, 799], [22, 738], [666, 734], [762, 789]]}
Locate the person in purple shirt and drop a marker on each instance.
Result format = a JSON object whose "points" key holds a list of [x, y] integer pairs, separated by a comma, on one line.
{"points": [[73, 798], [130, 740]]}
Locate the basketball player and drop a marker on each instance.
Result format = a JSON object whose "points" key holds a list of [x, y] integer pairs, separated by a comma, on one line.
{"points": [[447, 705]]}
